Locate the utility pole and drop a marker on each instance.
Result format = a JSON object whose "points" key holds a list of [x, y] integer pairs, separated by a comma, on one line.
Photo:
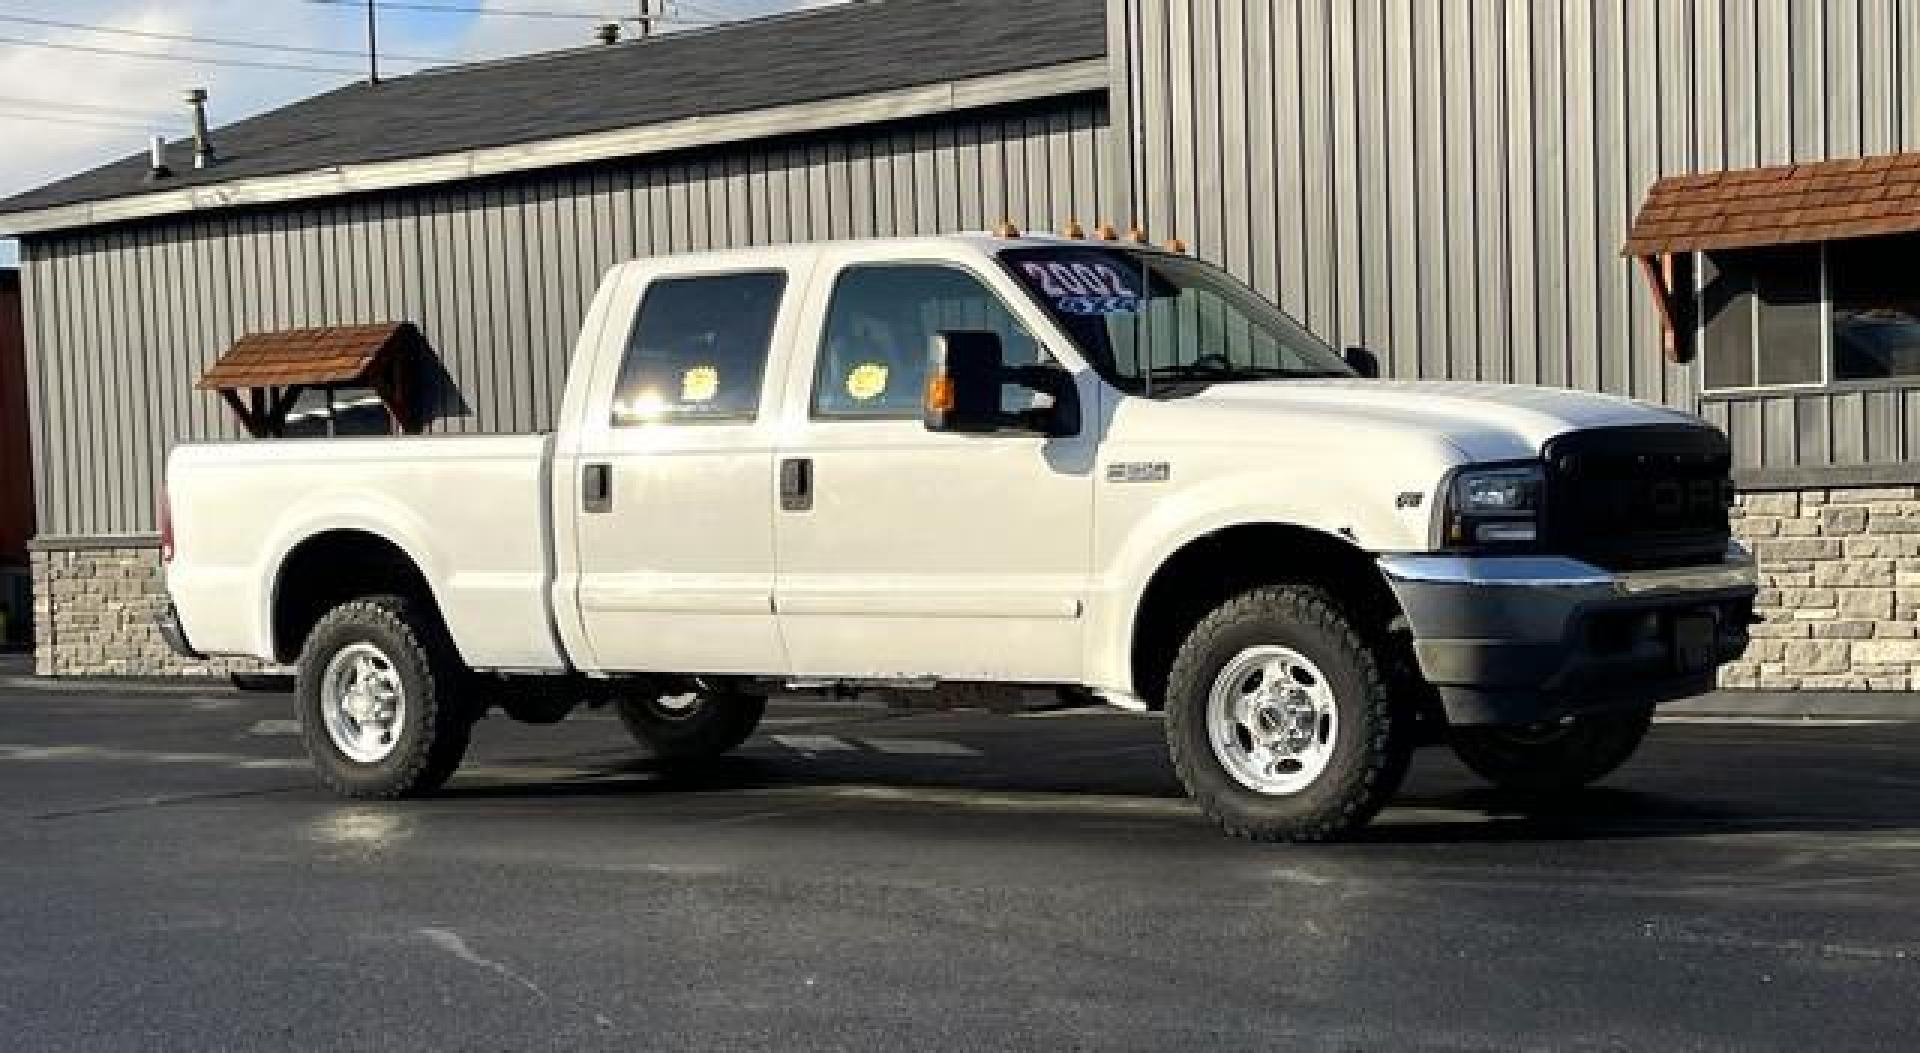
{"points": [[373, 43]]}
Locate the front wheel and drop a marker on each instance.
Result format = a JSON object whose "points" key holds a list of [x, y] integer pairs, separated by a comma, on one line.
{"points": [[1280, 719], [692, 726], [377, 699], [1554, 757]]}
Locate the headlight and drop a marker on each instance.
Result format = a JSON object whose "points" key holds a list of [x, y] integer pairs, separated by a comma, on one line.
{"points": [[1494, 506]]}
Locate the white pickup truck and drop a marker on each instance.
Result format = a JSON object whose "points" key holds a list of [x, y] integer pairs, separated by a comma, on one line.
{"points": [[973, 464]]}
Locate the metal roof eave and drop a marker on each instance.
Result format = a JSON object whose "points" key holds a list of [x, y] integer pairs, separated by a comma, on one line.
{"points": [[922, 100]]}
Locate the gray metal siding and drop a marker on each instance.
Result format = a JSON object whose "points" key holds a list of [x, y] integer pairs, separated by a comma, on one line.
{"points": [[1449, 181], [123, 321], [1819, 429]]}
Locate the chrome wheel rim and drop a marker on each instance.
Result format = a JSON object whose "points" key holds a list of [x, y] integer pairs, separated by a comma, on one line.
{"points": [[362, 702], [677, 707], [1271, 720]]}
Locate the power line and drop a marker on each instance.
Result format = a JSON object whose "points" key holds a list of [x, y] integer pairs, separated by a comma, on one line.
{"points": [[49, 23], [503, 12], [88, 108], [206, 60], [7, 114]]}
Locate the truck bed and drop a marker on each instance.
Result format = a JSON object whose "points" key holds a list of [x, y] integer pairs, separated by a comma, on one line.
{"points": [[473, 512]]}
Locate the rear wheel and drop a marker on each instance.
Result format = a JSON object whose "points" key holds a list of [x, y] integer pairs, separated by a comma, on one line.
{"points": [[692, 726], [375, 695], [1556, 756], [1280, 720]]}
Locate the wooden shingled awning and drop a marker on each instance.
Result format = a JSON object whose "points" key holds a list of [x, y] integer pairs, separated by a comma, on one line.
{"points": [[273, 369], [1783, 205], [1755, 207]]}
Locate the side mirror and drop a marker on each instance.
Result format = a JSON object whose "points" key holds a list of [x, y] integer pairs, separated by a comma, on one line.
{"points": [[1363, 362], [966, 370], [963, 382]]}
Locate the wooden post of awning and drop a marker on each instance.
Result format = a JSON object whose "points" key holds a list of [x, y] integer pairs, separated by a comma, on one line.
{"points": [[1670, 276], [248, 419], [272, 369]]}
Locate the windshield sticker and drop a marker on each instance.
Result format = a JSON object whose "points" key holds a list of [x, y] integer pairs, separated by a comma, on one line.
{"points": [[699, 384], [1083, 288], [867, 381]]}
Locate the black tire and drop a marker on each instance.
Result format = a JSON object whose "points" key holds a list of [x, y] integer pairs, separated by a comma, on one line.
{"points": [[1371, 740], [692, 727], [432, 733], [1553, 758]]}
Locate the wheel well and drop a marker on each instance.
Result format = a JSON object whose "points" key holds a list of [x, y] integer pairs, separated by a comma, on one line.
{"points": [[1208, 570], [332, 568]]}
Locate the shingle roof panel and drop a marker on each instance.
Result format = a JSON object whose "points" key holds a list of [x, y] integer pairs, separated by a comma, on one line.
{"points": [[341, 354], [811, 56], [1780, 205]]}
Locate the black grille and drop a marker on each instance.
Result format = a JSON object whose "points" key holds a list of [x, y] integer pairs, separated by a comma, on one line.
{"points": [[1639, 497]]}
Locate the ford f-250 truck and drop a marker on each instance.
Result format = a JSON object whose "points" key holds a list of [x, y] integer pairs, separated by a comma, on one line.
{"points": [[974, 464]]}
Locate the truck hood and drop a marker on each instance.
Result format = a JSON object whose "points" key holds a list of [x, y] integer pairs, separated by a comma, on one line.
{"points": [[1486, 422]]}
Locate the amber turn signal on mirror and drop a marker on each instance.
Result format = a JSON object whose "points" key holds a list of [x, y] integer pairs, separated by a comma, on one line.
{"points": [[939, 393]]}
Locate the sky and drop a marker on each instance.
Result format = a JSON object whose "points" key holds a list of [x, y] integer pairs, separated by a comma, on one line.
{"points": [[65, 111]]}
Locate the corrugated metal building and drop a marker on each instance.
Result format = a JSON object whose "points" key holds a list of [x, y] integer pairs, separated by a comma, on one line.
{"points": [[1450, 182]]}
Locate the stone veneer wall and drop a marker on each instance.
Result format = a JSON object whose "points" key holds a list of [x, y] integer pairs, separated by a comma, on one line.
{"points": [[93, 611], [1839, 589]]}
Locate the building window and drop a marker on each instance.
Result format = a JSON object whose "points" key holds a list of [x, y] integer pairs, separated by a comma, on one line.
{"points": [[1876, 308], [1798, 315], [325, 412], [699, 349], [1763, 313]]}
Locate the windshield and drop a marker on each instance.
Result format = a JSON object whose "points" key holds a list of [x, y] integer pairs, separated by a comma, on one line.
{"points": [[1161, 324]]}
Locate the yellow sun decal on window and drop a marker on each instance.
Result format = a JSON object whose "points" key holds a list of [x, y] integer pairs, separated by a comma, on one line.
{"points": [[699, 384], [868, 380]]}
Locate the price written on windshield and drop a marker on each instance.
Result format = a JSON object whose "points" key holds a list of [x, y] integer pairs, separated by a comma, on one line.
{"points": [[1083, 288]]}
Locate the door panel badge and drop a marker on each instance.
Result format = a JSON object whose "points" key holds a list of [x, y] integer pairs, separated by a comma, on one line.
{"points": [[1139, 472]]}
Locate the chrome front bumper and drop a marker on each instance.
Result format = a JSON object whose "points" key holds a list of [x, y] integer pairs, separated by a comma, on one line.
{"points": [[1737, 570], [1519, 639]]}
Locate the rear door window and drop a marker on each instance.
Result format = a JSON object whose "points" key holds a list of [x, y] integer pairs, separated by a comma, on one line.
{"points": [[698, 350]]}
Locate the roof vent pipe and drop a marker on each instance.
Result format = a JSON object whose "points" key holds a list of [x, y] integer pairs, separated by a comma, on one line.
{"points": [[202, 142], [157, 158]]}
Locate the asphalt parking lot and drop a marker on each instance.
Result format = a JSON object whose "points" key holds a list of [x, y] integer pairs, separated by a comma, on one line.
{"points": [[865, 880]]}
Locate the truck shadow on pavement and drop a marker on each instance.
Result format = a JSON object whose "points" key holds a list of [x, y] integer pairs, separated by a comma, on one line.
{"points": [[1711, 796]]}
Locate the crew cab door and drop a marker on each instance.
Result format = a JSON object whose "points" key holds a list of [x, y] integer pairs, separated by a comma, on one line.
{"points": [[671, 499], [905, 553]]}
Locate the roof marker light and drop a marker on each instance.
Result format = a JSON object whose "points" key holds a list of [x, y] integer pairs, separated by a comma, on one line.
{"points": [[1176, 245], [1006, 229], [1137, 234], [1073, 229], [1105, 232]]}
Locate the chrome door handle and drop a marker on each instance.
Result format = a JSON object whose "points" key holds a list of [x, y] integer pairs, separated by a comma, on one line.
{"points": [[796, 484], [596, 488]]}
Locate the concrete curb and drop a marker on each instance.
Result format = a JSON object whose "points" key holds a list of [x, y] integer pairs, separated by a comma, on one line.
{"points": [[1811, 705], [212, 685]]}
